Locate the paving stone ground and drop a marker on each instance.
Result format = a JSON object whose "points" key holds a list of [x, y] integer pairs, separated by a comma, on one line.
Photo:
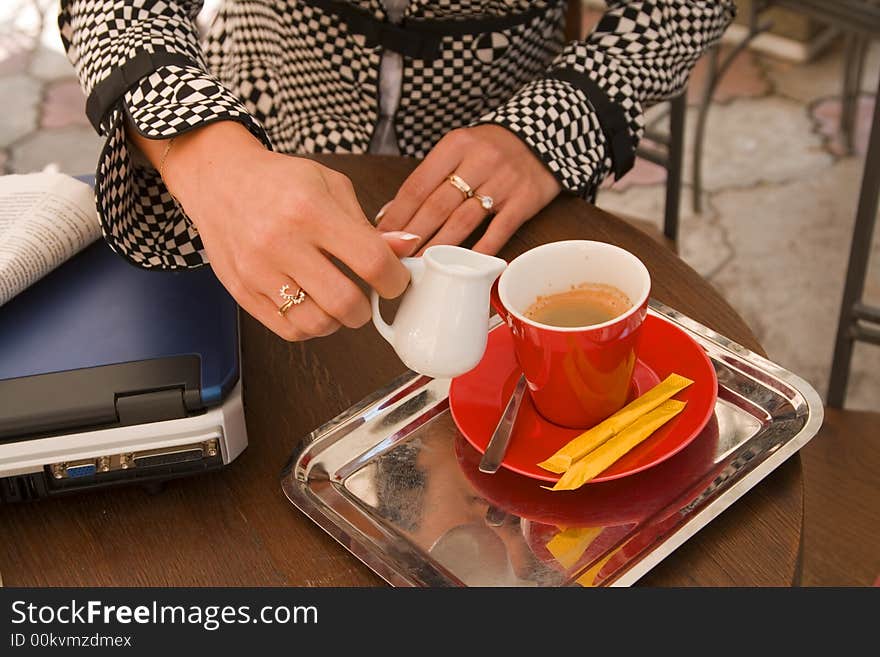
{"points": [[778, 206]]}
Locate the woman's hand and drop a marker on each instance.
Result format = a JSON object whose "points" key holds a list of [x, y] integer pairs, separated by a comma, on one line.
{"points": [[493, 162], [268, 220]]}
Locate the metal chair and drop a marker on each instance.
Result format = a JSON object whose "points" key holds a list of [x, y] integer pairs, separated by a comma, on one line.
{"points": [[860, 21], [858, 321]]}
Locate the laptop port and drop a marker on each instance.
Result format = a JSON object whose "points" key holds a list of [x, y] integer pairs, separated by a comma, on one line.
{"points": [[174, 455], [74, 469], [84, 470], [158, 458]]}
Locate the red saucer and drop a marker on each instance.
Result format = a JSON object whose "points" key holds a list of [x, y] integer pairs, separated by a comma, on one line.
{"points": [[476, 400]]}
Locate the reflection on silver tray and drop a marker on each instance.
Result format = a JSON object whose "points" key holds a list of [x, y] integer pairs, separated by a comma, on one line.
{"points": [[395, 483]]}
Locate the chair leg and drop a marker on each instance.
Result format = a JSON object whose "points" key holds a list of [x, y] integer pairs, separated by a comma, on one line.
{"points": [[860, 249], [854, 64], [675, 162]]}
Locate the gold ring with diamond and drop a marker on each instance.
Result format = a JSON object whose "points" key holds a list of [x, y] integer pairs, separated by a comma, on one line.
{"points": [[485, 200], [461, 185]]}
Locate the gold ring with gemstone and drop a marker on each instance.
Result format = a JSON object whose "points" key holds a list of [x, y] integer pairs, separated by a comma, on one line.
{"points": [[461, 185], [485, 200]]}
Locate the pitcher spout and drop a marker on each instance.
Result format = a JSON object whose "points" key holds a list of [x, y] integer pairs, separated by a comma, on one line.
{"points": [[494, 267], [456, 260]]}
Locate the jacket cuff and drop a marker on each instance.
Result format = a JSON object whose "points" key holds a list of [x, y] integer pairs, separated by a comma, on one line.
{"points": [[618, 140], [139, 218], [106, 93], [175, 99], [557, 121]]}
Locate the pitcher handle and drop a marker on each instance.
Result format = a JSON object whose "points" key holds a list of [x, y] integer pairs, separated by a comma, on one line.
{"points": [[416, 266]]}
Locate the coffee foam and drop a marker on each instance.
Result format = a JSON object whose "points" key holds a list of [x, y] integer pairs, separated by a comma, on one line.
{"points": [[610, 298]]}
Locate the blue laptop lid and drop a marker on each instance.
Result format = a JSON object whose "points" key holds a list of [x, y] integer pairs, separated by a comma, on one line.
{"points": [[98, 326]]}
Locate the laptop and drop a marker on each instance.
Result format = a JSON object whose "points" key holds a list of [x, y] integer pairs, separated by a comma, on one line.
{"points": [[111, 374]]}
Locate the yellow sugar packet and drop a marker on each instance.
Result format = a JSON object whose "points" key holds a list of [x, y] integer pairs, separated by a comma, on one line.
{"points": [[588, 577], [568, 546], [614, 448], [592, 438]]}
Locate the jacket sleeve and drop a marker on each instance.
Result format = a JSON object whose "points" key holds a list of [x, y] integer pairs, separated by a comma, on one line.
{"points": [[584, 117], [143, 59]]}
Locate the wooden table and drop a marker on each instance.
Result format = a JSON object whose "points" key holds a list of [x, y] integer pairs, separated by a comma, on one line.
{"points": [[235, 527]]}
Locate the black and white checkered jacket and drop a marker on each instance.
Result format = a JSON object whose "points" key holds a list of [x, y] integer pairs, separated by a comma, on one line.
{"points": [[303, 76]]}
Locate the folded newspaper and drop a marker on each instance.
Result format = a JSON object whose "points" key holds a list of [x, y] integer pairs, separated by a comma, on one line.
{"points": [[45, 219]]}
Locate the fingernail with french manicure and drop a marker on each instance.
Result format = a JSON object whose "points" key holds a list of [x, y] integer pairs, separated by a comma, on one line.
{"points": [[381, 213], [400, 235]]}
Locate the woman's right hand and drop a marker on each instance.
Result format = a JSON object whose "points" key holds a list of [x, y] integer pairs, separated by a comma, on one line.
{"points": [[268, 220]]}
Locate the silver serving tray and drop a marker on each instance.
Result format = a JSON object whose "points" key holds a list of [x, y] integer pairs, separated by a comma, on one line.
{"points": [[396, 484]]}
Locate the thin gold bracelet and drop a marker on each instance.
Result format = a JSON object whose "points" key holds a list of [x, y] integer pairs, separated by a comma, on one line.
{"points": [[162, 171], [164, 157]]}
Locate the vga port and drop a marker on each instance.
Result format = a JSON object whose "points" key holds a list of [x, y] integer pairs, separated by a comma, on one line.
{"points": [[84, 470], [74, 469]]}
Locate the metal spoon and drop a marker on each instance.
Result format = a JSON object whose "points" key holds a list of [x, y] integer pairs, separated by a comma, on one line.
{"points": [[497, 446]]}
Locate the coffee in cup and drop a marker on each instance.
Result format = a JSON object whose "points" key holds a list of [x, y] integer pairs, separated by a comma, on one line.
{"points": [[575, 309], [583, 305]]}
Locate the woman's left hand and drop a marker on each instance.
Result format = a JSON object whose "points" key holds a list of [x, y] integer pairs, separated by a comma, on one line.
{"points": [[494, 163]]}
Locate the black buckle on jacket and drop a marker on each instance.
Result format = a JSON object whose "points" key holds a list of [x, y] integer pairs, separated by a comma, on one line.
{"points": [[408, 40]]}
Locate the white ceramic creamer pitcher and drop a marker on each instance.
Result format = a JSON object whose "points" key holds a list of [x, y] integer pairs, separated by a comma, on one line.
{"points": [[441, 327]]}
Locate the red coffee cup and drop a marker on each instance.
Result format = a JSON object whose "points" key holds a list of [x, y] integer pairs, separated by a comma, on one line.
{"points": [[580, 375]]}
